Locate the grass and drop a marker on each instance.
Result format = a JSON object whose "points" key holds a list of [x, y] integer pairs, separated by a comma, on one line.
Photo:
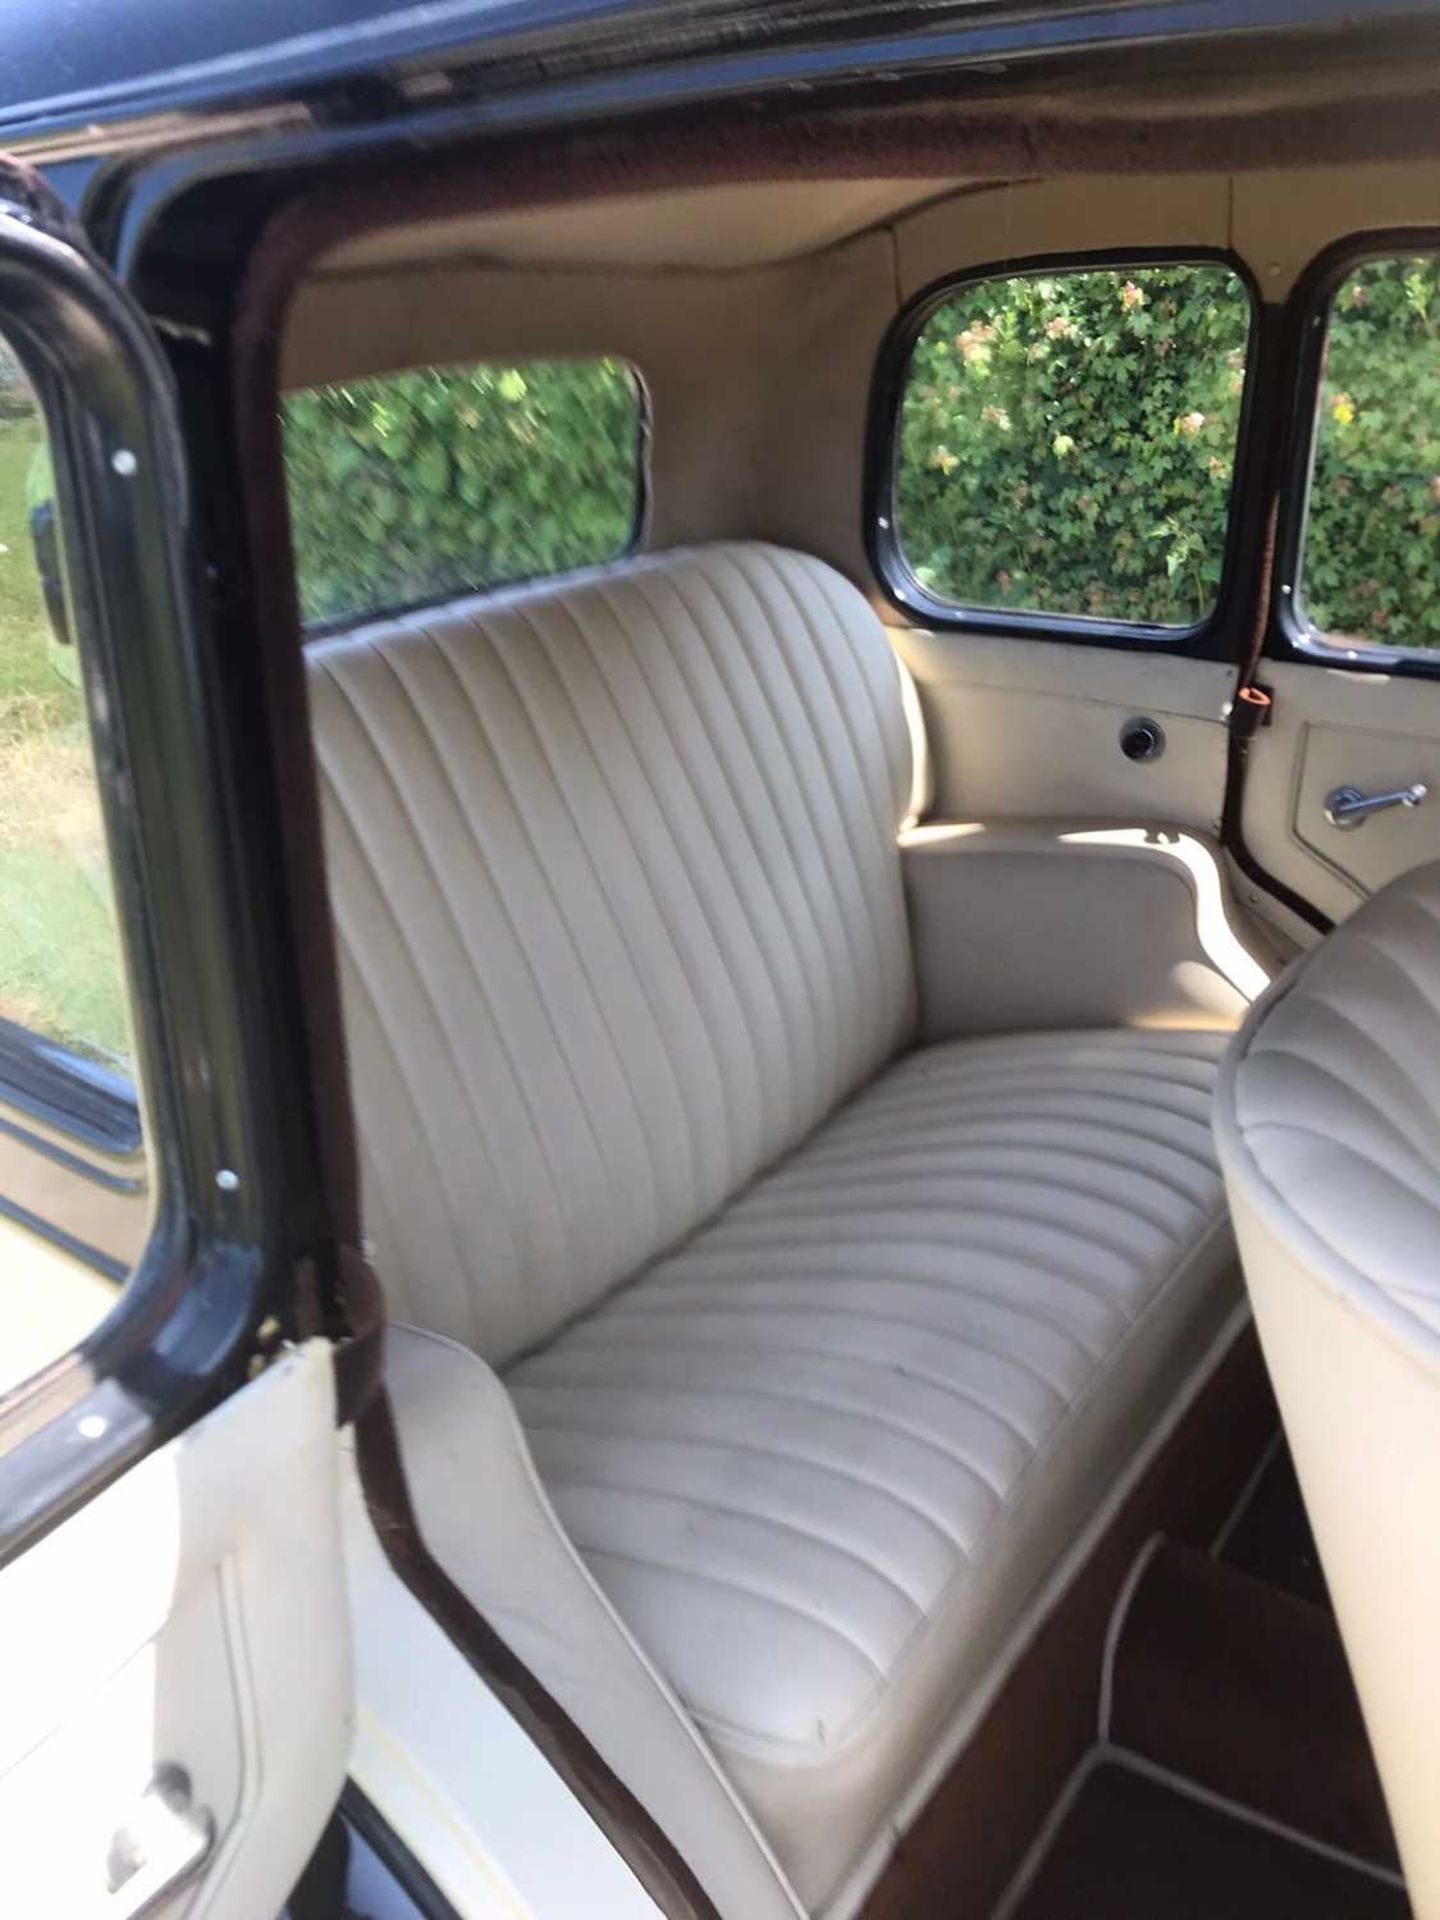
{"points": [[60, 971]]}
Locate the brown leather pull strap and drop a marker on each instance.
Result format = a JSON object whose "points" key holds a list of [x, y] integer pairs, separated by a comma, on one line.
{"points": [[360, 1348], [1251, 711], [1252, 704]]}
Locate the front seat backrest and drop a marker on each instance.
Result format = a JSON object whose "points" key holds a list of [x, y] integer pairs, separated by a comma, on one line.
{"points": [[1328, 1121], [613, 864]]}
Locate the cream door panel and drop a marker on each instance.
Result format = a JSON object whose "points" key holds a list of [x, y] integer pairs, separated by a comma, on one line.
{"points": [[191, 1617], [1030, 729], [1335, 728]]}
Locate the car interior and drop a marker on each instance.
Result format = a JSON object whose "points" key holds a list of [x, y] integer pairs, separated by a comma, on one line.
{"points": [[787, 1002], [853, 696]]}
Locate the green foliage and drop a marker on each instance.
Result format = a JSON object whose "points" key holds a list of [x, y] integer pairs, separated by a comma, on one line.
{"points": [[60, 969], [410, 486], [1372, 561], [1067, 442]]}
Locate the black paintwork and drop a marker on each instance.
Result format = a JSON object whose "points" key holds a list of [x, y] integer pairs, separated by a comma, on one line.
{"points": [[93, 60]]}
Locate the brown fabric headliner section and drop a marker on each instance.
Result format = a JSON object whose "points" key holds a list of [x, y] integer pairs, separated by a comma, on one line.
{"points": [[960, 142], [1179, 125]]}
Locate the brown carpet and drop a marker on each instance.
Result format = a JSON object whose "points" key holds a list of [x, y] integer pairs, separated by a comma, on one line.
{"points": [[1272, 1538], [1244, 1688], [1131, 1849]]}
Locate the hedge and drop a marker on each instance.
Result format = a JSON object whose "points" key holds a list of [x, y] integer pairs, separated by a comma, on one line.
{"points": [[411, 486], [1067, 442], [1066, 445], [1372, 546]]}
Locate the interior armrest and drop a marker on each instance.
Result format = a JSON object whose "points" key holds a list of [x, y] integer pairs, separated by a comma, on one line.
{"points": [[1023, 925]]}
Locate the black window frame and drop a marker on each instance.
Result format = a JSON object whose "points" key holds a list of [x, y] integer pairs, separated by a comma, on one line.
{"points": [[217, 1261], [394, 609], [95, 1104], [1306, 323], [75, 1114], [1212, 638]]}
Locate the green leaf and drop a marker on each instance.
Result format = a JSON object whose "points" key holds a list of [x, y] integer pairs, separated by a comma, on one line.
{"points": [[414, 485]]}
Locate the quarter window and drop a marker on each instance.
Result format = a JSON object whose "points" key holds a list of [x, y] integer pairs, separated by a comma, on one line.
{"points": [[414, 486], [1066, 443], [1370, 566]]}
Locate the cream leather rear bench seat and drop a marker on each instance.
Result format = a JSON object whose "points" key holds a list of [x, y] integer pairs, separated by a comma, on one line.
{"points": [[823, 1351]]}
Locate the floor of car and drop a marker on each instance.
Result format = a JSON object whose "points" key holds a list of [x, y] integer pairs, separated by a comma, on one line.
{"points": [[1271, 1535], [1231, 1774], [1132, 1847]]}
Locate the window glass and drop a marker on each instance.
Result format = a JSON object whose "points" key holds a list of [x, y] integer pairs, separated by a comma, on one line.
{"points": [[1371, 569], [75, 1204], [411, 486], [1067, 442], [61, 977]]}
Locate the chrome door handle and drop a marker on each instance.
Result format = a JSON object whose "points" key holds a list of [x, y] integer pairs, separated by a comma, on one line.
{"points": [[161, 1847], [1349, 807]]}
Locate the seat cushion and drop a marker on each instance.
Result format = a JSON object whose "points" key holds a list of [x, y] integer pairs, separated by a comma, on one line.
{"points": [[614, 870], [821, 1457]]}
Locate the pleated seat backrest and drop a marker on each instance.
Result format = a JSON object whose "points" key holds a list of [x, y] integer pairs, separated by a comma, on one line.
{"points": [[614, 871]]}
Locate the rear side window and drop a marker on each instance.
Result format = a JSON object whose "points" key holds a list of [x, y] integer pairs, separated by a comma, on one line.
{"points": [[1370, 566], [1066, 443], [414, 486]]}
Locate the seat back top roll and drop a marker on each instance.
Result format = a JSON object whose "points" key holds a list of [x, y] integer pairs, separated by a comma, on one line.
{"points": [[618, 897]]}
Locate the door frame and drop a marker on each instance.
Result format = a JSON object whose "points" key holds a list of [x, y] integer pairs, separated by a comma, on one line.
{"points": [[216, 1280]]}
